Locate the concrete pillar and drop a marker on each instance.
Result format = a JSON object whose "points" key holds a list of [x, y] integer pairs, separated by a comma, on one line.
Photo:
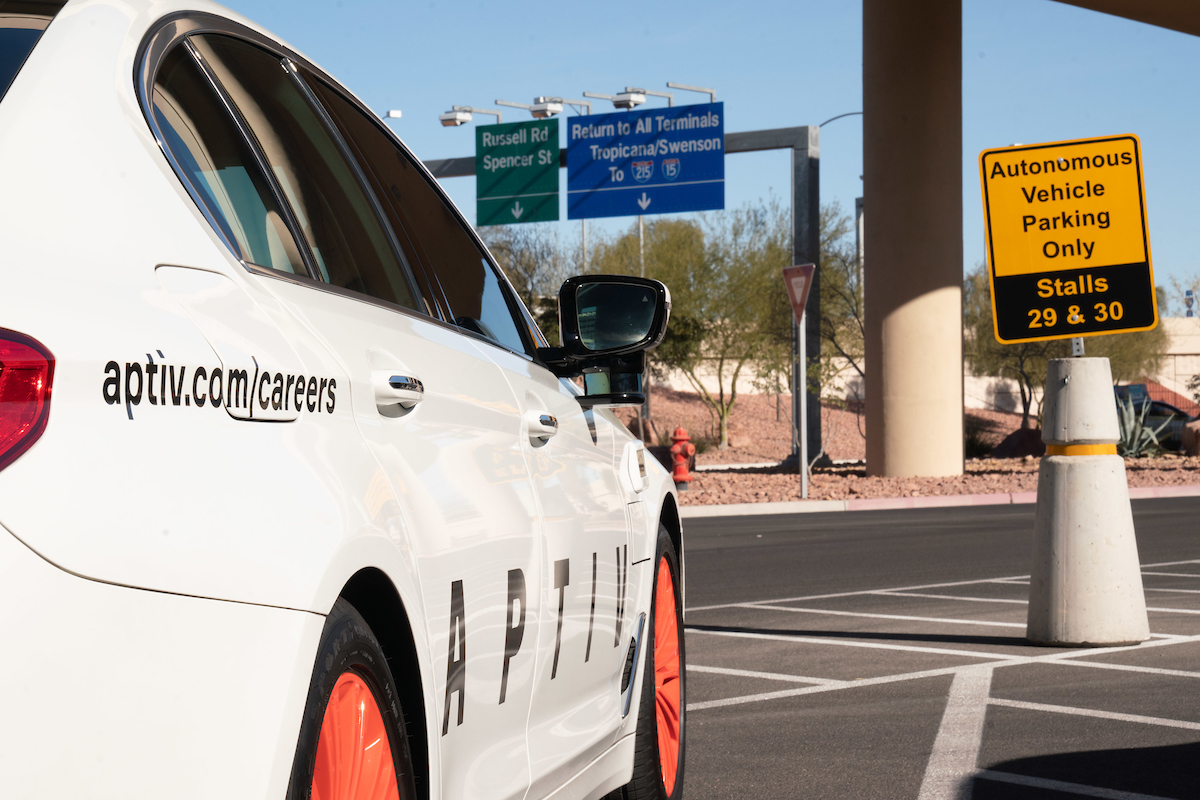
{"points": [[912, 158], [1086, 582]]}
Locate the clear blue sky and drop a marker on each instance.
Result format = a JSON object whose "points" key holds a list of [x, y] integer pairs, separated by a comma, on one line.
{"points": [[1033, 71]]}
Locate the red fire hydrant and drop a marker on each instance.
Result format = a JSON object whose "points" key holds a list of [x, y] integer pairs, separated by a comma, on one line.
{"points": [[682, 452]]}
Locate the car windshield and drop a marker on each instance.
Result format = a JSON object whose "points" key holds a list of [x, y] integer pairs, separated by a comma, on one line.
{"points": [[21, 25]]}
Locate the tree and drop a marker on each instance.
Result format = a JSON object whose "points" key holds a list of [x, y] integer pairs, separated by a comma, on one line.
{"points": [[675, 253], [843, 331], [722, 271], [842, 322], [533, 259], [1173, 302], [1025, 362], [1130, 355]]}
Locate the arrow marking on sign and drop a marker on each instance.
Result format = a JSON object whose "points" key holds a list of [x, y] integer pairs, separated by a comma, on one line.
{"points": [[517, 211], [644, 201]]}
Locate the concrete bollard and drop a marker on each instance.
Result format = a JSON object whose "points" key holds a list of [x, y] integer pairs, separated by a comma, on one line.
{"points": [[1086, 584]]}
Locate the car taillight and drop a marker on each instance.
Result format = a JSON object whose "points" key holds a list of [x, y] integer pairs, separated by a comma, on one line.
{"points": [[26, 374]]}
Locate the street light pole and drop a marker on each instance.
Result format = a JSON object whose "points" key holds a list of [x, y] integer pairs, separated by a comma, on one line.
{"points": [[712, 93], [585, 108], [543, 107]]}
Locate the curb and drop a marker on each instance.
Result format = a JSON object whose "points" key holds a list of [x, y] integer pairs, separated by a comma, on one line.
{"points": [[896, 503]]}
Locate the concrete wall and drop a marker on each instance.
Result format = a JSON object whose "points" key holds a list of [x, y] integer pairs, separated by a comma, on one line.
{"points": [[997, 394], [1183, 354]]}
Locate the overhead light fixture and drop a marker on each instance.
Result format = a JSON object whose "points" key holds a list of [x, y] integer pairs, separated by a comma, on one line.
{"points": [[461, 115], [392, 114], [652, 93], [545, 107], [632, 97], [541, 108], [453, 119]]}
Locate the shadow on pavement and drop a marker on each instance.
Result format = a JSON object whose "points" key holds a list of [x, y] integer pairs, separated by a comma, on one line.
{"points": [[1170, 771]]}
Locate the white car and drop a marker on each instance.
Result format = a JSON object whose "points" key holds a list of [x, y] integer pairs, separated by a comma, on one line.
{"points": [[295, 499]]}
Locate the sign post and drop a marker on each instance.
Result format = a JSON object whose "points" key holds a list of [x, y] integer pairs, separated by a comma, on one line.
{"points": [[1067, 241], [1069, 256], [799, 280], [516, 172]]}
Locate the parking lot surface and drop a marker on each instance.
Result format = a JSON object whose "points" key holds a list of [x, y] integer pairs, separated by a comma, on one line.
{"points": [[928, 689]]}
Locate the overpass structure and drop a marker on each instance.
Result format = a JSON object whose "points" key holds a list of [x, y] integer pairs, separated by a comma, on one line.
{"points": [[912, 183]]}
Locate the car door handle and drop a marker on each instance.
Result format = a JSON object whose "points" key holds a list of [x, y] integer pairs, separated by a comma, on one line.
{"points": [[541, 426], [393, 389]]}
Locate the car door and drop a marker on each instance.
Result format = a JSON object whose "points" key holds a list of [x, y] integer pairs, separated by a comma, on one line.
{"points": [[438, 415], [587, 622], [582, 628]]}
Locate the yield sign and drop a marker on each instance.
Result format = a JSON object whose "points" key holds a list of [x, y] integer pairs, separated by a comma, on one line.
{"points": [[798, 280]]}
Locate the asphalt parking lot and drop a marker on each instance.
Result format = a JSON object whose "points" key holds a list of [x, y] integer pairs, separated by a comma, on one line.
{"points": [[928, 689]]}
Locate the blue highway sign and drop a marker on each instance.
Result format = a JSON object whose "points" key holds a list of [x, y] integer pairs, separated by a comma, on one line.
{"points": [[655, 161]]}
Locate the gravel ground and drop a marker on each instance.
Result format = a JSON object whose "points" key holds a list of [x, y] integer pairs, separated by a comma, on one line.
{"points": [[845, 482], [757, 437]]}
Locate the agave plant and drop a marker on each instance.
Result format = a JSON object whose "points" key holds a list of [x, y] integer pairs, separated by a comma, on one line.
{"points": [[1137, 440]]}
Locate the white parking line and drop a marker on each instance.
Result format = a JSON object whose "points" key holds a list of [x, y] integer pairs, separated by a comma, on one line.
{"points": [[906, 618], [1172, 563], [1175, 610], [1075, 662], [952, 597], [1171, 574], [784, 637], [1018, 580], [771, 676], [956, 748], [1089, 712], [1064, 786], [806, 598], [1065, 658], [1156, 640], [1176, 591], [784, 693], [997, 662]]}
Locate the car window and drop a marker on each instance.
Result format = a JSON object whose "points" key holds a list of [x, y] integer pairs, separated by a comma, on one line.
{"points": [[477, 300], [219, 164], [21, 25], [349, 242], [367, 144]]}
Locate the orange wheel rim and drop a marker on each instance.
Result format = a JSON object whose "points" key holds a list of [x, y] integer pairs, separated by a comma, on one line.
{"points": [[666, 676], [354, 756]]}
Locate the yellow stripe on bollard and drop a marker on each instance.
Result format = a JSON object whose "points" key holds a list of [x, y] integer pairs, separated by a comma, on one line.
{"points": [[1081, 449]]}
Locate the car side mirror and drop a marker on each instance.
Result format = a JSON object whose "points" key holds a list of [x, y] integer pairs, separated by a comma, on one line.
{"points": [[608, 322]]}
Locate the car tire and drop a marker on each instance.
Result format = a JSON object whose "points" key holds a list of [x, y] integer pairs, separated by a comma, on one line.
{"points": [[352, 703], [659, 743]]}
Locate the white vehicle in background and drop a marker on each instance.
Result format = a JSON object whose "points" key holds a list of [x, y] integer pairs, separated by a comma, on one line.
{"points": [[295, 499]]}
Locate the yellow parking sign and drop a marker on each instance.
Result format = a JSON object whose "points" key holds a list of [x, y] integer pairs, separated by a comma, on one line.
{"points": [[1067, 241]]}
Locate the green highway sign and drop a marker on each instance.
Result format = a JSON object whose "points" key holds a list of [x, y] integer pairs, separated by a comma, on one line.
{"points": [[516, 172]]}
